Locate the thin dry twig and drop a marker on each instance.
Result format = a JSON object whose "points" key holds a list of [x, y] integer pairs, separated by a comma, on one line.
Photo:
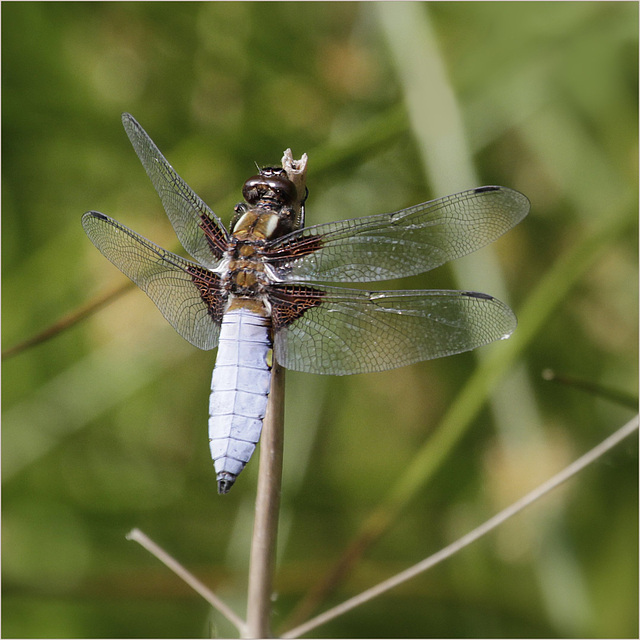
{"points": [[68, 321], [265, 528], [472, 536], [142, 539], [608, 393]]}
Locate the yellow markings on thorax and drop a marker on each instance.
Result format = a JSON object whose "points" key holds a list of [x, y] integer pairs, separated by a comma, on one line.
{"points": [[256, 225], [247, 271]]}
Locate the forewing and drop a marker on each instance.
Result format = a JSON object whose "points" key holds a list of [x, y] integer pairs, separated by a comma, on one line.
{"points": [[186, 293], [400, 244], [198, 228], [344, 331]]}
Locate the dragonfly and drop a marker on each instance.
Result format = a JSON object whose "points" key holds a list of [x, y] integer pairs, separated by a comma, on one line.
{"points": [[266, 285]]}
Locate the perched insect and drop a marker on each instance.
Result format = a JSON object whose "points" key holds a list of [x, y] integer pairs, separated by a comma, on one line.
{"points": [[260, 285]]}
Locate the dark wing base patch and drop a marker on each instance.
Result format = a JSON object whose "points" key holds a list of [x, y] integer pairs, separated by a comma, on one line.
{"points": [[289, 303]]}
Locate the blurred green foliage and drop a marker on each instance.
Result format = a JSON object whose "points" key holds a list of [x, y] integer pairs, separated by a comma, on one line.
{"points": [[104, 427]]}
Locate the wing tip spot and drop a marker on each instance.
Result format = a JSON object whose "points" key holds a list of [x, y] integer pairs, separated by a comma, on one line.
{"points": [[485, 189]]}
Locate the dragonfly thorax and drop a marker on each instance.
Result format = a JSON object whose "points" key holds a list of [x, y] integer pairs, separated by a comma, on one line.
{"points": [[244, 274]]}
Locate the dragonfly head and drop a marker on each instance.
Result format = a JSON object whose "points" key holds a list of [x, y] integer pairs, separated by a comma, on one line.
{"points": [[270, 188]]}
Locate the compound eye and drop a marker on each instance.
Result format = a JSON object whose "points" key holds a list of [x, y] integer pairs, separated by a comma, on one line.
{"points": [[250, 189], [271, 187], [284, 188]]}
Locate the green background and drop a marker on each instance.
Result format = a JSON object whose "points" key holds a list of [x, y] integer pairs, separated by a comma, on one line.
{"points": [[104, 427]]}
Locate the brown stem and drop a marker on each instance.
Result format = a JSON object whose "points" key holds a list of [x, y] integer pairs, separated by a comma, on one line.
{"points": [[68, 321], [263, 546], [144, 540]]}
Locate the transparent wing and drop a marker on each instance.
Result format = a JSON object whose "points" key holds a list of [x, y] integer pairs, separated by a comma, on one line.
{"points": [[400, 244], [186, 293], [351, 331], [198, 228]]}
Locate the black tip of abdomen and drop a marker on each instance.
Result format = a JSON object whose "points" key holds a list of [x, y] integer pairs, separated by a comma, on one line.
{"points": [[225, 482]]}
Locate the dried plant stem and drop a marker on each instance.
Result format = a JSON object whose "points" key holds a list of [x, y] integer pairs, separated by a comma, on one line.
{"points": [[68, 321], [265, 527], [628, 400], [472, 536], [142, 539], [263, 546]]}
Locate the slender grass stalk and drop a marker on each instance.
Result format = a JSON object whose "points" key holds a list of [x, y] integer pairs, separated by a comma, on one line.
{"points": [[618, 396], [501, 517], [265, 528], [138, 536], [70, 320]]}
